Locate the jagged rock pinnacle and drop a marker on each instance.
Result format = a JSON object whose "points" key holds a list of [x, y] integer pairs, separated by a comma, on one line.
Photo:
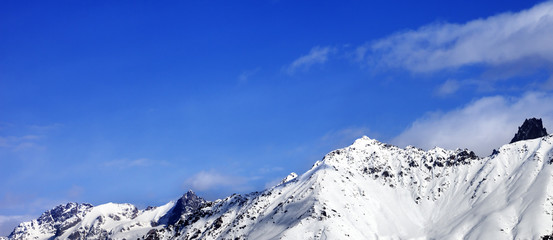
{"points": [[530, 129]]}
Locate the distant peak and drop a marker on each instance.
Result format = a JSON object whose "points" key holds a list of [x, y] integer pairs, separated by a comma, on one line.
{"points": [[530, 129]]}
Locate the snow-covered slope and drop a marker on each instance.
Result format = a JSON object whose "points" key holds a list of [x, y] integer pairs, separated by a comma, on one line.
{"points": [[369, 190]]}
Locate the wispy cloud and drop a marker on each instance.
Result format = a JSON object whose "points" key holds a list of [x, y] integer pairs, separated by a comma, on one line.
{"points": [[45, 128], [515, 43], [19, 143], [139, 162], [208, 180], [452, 86], [481, 126], [317, 55], [503, 46], [448, 87], [245, 76], [29, 138], [500, 39]]}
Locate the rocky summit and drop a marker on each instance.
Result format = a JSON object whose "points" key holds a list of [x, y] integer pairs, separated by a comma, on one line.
{"points": [[531, 129]]}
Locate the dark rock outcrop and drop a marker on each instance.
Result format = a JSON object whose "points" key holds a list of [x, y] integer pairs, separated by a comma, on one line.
{"points": [[530, 129], [188, 203]]}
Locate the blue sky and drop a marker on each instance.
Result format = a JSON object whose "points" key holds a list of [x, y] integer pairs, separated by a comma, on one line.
{"points": [[140, 101]]}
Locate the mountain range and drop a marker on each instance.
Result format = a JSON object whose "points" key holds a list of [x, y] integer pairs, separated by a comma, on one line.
{"points": [[368, 190]]}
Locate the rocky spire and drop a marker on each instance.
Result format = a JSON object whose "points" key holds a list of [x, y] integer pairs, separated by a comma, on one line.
{"points": [[530, 129]]}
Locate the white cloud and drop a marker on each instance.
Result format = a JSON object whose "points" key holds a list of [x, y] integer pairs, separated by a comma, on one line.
{"points": [[317, 55], [481, 126], [208, 180], [501, 39]]}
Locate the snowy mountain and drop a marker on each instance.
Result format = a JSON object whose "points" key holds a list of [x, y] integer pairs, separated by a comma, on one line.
{"points": [[369, 190]]}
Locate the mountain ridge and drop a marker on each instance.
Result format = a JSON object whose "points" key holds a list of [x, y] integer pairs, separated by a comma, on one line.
{"points": [[366, 190]]}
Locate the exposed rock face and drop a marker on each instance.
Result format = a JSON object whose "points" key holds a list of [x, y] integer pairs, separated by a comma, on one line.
{"points": [[188, 203], [531, 128]]}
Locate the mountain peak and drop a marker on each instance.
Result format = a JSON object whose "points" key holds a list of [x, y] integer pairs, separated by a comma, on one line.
{"points": [[365, 140], [530, 129], [189, 194], [188, 203]]}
